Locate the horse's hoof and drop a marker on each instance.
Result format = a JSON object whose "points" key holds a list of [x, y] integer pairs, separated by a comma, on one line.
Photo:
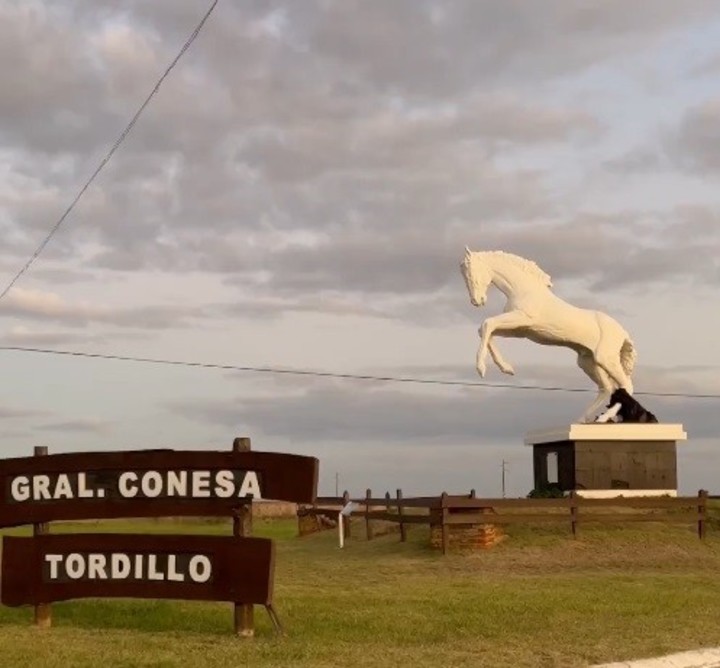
{"points": [[508, 370], [481, 369]]}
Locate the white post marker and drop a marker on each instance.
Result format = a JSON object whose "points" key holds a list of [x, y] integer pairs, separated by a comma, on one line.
{"points": [[345, 512]]}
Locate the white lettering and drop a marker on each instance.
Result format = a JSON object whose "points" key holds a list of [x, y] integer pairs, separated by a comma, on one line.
{"points": [[177, 483], [20, 488], [138, 566], [201, 484], [83, 491], [75, 566], [54, 560], [224, 484], [172, 574], [152, 484], [120, 566], [41, 488], [124, 487], [63, 488], [200, 568], [153, 573], [250, 486], [96, 567]]}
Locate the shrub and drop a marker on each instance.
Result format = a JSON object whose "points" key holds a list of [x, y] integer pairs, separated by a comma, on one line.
{"points": [[546, 492]]}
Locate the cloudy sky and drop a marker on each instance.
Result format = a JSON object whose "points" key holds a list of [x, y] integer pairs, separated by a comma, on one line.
{"points": [[299, 194]]}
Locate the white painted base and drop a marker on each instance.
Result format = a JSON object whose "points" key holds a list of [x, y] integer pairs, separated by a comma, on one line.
{"points": [[624, 493], [607, 432]]}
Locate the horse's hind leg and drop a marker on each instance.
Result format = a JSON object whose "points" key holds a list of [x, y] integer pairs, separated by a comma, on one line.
{"points": [[610, 362], [598, 375], [608, 352]]}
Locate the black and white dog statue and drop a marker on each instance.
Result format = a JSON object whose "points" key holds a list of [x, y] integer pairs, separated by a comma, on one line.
{"points": [[625, 407]]}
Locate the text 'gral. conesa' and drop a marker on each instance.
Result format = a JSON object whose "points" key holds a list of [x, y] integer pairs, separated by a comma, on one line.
{"points": [[222, 484]]}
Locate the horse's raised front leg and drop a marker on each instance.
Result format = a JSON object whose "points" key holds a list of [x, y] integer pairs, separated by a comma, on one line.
{"points": [[499, 360], [505, 322]]}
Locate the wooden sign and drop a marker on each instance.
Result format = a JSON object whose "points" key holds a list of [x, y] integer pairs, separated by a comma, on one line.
{"points": [[148, 483], [52, 568]]}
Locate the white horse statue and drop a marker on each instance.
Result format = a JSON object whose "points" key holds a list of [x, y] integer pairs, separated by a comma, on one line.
{"points": [[604, 349]]}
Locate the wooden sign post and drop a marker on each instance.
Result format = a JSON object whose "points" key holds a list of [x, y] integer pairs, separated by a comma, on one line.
{"points": [[242, 527], [43, 612]]}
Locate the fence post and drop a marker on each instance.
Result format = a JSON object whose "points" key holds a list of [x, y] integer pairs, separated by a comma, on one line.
{"points": [[443, 520], [573, 512], [702, 513], [403, 529], [242, 527], [368, 528], [299, 514], [348, 519], [43, 611]]}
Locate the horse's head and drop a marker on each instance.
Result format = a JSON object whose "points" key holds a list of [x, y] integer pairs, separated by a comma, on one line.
{"points": [[477, 277]]}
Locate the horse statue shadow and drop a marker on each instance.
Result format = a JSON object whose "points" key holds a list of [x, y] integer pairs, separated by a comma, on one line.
{"points": [[605, 351]]}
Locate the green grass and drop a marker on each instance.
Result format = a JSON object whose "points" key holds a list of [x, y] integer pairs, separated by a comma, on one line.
{"points": [[540, 599]]}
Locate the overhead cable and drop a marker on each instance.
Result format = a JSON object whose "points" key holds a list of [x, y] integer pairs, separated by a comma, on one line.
{"points": [[340, 376]]}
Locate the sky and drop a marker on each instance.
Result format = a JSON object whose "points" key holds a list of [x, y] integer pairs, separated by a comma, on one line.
{"points": [[299, 194]]}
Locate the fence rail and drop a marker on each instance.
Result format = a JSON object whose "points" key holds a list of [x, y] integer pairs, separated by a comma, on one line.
{"points": [[448, 510]]}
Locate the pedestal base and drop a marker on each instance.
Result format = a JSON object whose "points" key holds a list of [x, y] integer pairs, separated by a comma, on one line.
{"points": [[606, 460]]}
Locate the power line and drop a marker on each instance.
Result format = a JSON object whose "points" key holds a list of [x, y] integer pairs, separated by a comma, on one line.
{"points": [[340, 376], [114, 148]]}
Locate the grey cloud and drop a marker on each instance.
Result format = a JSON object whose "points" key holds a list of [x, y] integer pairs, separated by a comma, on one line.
{"points": [[56, 60], [84, 425], [354, 414], [696, 145], [9, 413], [16, 434], [310, 123], [379, 41], [43, 306], [344, 146], [710, 66], [639, 160], [414, 263], [20, 336], [342, 414], [618, 251], [63, 275]]}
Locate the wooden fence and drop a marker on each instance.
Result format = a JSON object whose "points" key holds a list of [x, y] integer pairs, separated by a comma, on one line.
{"points": [[449, 510]]}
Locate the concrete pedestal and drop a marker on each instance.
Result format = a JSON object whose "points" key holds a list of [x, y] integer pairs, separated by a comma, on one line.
{"points": [[607, 460]]}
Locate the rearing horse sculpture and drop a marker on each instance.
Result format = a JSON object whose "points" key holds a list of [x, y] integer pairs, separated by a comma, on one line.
{"points": [[604, 349]]}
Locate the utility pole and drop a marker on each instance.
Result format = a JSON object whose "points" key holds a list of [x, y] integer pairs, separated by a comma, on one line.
{"points": [[504, 464], [337, 484]]}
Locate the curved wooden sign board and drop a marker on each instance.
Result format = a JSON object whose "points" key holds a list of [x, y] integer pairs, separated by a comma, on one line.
{"points": [[149, 483], [50, 568]]}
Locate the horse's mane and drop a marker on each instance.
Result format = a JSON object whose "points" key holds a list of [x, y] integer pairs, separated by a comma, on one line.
{"points": [[528, 266]]}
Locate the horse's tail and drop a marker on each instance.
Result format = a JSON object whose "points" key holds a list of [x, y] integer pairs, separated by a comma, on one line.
{"points": [[628, 356]]}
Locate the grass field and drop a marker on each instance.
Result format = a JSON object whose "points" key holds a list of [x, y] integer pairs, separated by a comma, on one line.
{"points": [[540, 599]]}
